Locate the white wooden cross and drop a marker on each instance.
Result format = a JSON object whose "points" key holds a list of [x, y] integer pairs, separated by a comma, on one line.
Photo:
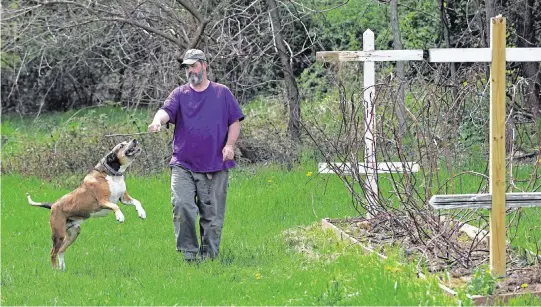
{"points": [[368, 56], [497, 55]]}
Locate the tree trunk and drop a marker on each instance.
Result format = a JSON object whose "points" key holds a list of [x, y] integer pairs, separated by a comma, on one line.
{"points": [[490, 7], [400, 75], [450, 140], [530, 70], [293, 126], [446, 36]]}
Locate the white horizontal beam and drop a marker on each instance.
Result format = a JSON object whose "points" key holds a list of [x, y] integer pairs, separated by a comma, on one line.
{"points": [[382, 167], [483, 55], [484, 201], [460, 55], [370, 56], [446, 55], [523, 54], [484, 205]]}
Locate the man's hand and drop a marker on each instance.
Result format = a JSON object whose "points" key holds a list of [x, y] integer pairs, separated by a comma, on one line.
{"points": [[228, 152], [154, 127], [160, 117]]}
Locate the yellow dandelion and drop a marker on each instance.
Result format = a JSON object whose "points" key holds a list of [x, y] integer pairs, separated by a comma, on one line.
{"points": [[392, 269], [257, 276], [524, 286], [309, 174]]}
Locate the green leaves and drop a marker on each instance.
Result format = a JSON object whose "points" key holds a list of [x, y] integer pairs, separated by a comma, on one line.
{"points": [[483, 282]]}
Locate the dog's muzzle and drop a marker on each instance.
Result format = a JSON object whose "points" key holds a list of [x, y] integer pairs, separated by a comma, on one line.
{"points": [[132, 149]]}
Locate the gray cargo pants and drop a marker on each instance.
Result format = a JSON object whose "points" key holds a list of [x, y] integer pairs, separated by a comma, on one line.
{"points": [[203, 193]]}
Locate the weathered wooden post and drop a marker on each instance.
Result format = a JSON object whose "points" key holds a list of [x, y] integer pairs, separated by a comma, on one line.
{"points": [[497, 55], [370, 167]]}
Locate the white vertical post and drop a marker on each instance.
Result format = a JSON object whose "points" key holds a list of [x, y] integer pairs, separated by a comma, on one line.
{"points": [[369, 75]]}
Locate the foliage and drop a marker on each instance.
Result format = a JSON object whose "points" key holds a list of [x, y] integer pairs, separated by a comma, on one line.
{"points": [[483, 282], [342, 28], [314, 82], [71, 144], [44, 146], [419, 23]]}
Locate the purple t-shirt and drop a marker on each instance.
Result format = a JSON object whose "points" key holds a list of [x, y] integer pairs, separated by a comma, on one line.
{"points": [[201, 120]]}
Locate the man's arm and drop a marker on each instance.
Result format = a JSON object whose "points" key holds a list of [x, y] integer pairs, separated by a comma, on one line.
{"points": [[228, 151], [233, 133], [161, 117]]}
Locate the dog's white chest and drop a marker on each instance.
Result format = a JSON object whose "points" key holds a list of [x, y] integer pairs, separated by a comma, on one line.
{"points": [[117, 187]]}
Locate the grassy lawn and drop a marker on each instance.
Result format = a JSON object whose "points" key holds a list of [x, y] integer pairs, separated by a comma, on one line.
{"points": [[270, 255], [273, 250]]}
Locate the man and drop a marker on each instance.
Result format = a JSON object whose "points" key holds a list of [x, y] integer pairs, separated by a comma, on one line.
{"points": [[207, 119]]}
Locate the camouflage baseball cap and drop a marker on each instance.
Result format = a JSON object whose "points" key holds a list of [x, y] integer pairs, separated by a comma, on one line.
{"points": [[193, 55]]}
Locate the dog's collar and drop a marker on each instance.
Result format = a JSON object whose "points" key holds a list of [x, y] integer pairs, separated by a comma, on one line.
{"points": [[108, 169]]}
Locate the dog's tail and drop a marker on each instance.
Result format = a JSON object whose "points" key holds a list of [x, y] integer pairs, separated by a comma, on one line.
{"points": [[33, 203]]}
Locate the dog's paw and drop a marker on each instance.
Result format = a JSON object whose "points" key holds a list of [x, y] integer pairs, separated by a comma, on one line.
{"points": [[119, 216], [142, 214]]}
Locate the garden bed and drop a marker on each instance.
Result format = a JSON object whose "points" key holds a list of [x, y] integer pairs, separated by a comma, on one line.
{"points": [[522, 276]]}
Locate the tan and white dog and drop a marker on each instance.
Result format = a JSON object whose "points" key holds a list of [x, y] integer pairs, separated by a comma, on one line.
{"points": [[97, 196]]}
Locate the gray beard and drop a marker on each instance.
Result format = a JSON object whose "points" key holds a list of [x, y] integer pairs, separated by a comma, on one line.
{"points": [[195, 79]]}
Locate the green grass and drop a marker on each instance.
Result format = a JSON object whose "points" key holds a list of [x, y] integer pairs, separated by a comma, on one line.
{"points": [[268, 255]]}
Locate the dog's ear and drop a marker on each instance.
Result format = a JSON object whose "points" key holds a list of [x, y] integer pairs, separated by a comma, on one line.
{"points": [[112, 161], [111, 157]]}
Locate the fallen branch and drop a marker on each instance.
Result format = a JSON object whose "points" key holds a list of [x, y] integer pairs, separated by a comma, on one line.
{"points": [[127, 134]]}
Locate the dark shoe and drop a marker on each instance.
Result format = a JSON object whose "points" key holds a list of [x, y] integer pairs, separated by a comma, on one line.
{"points": [[208, 256], [189, 257], [192, 261]]}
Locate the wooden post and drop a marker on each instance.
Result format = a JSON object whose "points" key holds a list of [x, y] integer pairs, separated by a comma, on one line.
{"points": [[370, 167], [497, 147], [369, 76], [497, 55]]}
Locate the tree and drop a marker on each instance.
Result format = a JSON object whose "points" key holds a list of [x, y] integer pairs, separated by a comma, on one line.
{"points": [[134, 46], [526, 29], [400, 75], [293, 127]]}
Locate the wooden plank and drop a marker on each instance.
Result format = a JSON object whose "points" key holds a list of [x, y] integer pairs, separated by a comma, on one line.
{"points": [[464, 55], [382, 167], [523, 54], [469, 198], [483, 205], [497, 147], [447, 55], [484, 201], [369, 56], [369, 94]]}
